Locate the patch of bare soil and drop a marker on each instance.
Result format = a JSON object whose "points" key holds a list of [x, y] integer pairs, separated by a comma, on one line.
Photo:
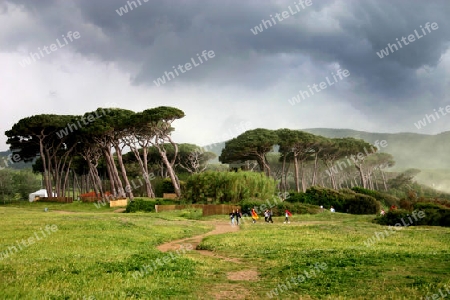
{"points": [[120, 210], [230, 291], [248, 275]]}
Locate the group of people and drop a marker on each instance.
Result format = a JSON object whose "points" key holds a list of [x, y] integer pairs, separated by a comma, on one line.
{"points": [[268, 216], [331, 209], [235, 215]]}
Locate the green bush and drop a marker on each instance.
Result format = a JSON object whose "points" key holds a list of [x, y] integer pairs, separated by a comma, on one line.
{"points": [[384, 198], [228, 187], [393, 217], [343, 200], [167, 186], [430, 217], [362, 205], [278, 207], [436, 201], [295, 208], [140, 205], [426, 205], [147, 204], [297, 197], [327, 197]]}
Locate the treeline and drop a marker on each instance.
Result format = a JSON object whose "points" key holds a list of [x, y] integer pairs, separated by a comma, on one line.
{"points": [[303, 159], [17, 184], [84, 145], [101, 150]]}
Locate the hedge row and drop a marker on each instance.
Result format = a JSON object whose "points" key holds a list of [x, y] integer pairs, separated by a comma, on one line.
{"points": [[418, 216], [278, 207], [343, 201], [145, 205], [385, 199]]}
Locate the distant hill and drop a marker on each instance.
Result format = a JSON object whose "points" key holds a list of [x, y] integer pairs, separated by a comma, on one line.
{"points": [[410, 150]]}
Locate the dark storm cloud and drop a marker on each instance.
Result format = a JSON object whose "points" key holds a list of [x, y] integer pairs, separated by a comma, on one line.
{"points": [[157, 35]]}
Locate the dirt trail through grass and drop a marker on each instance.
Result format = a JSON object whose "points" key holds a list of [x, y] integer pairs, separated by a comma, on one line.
{"points": [[232, 287], [221, 290], [220, 228]]}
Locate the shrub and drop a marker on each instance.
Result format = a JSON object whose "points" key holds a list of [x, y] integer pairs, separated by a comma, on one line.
{"points": [[406, 204], [140, 205], [278, 207], [228, 187], [295, 208], [297, 197], [426, 205], [326, 197], [445, 218], [385, 199], [345, 200], [431, 217], [362, 204], [393, 217], [435, 201], [167, 186]]}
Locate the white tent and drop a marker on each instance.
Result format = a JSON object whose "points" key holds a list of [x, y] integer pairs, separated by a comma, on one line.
{"points": [[40, 193]]}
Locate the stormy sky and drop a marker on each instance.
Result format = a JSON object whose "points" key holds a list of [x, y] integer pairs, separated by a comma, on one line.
{"points": [[110, 54]]}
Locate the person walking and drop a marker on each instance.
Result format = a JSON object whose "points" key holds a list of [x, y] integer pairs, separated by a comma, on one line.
{"points": [[266, 216], [270, 216], [232, 217], [254, 215], [287, 214], [237, 216]]}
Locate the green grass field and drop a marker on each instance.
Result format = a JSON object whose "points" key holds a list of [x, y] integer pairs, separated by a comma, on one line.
{"points": [[94, 253]]}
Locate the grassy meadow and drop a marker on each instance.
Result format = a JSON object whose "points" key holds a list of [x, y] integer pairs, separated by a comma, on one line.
{"points": [[95, 253]]}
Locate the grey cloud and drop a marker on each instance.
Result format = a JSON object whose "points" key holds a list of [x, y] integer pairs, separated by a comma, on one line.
{"points": [[157, 35]]}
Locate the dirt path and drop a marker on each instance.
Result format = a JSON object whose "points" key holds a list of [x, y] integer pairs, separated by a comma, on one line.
{"points": [[220, 228], [223, 290], [234, 289]]}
